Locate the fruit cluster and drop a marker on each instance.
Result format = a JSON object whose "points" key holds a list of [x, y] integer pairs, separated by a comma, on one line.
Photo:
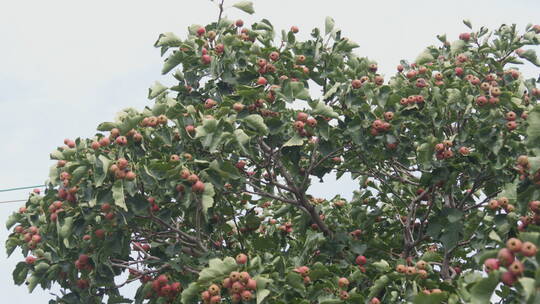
{"points": [[507, 258], [361, 261], [239, 285], [419, 269], [523, 167], [30, 235], [163, 288], [121, 170], [534, 218], [501, 203], [303, 119]]}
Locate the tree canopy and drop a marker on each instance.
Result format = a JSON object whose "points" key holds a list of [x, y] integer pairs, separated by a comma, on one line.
{"points": [[203, 197]]}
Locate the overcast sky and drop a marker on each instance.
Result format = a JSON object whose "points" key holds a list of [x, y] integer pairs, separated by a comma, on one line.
{"points": [[65, 66]]}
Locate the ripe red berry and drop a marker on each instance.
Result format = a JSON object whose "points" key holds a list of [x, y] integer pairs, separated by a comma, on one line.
{"points": [[201, 31], [465, 36], [262, 81], [241, 259], [206, 59]]}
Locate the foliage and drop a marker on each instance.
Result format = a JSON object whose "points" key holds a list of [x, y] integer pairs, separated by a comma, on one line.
{"points": [[222, 164]]}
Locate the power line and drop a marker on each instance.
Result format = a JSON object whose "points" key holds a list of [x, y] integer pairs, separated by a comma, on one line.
{"points": [[12, 201], [21, 188]]}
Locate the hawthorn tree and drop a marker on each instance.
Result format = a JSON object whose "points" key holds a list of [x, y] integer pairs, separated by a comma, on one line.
{"points": [[204, 196]]}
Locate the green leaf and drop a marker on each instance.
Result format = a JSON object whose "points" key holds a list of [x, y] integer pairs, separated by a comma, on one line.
{"points": [[118, 195], [296, 281], [433, 298], [217, 269], [156, 90], [20, 272], [256, 122], [322, 109], [530, 55], [101, 168], [329, 25], [467, 23], [12, 220], [190, 293], [533, 130], [457, 46], [171, 62], [482, 291], [104, 126], [378, 285], [208, 197], [424, 57], [382, 265], [296, 140], [246, 6], [528, 286], [167, 39], [494, 236], [32, 283], [262, 294]]}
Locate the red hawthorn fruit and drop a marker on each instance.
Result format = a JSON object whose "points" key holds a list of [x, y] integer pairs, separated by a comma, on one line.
{"points": [[30, 260], [33, 230], [193, 178], [206, 59], [198, 187], [356, 83], [400, 68], [241, 259], [274, 56], [505, 257], [464, 151], [510, 116], [343, 282], [251, 284], [491, 264], [312, 122], [516, 268], [465, 36], [301, 116], [104, 141], [237, 287], [511, 125], [86, 237], [220, 48], [374, 301], [95, 145], [528, 249], [190, 129], [458, 71], [294, 29], [100, 233], [210, 103], [82, 284], [238, 107], [262, 81], [201, 31], [240, 164], [344, 295], [121, 140], [299, 125], [411, 74], [508, 278], [239, 23], [247, 295]]}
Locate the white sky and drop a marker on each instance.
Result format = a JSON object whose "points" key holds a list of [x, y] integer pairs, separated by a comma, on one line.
{"points": [[65, 66]]}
